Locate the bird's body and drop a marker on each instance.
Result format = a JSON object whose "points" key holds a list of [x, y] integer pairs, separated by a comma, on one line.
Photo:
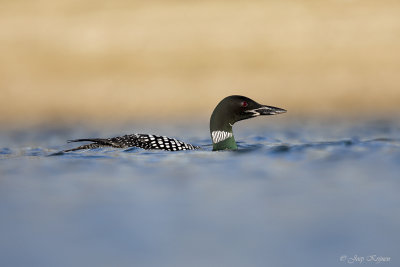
{"points": [[230, 110], [145, 141]]}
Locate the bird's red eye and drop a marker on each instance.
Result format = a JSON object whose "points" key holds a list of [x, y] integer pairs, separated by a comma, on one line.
{"points": [[244, 104]]}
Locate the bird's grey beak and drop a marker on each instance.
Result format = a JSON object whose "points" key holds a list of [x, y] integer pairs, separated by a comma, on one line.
{"points": [[266, 110]]}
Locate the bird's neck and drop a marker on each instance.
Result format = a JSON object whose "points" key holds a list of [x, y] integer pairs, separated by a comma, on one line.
{"points": [[227, 144], [221, 133]]}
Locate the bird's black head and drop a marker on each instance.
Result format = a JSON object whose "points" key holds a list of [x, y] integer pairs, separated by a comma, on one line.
{"points": [[236, 108]]}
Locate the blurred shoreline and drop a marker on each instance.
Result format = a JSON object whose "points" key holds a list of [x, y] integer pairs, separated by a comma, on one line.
{"points": [[102, 61]]}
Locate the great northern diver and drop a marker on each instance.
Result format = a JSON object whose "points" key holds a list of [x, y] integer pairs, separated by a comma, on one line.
{"points": [[230, 110]]}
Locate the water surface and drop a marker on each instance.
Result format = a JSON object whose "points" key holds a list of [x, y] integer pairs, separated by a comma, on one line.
{"points": [[295, 194]]}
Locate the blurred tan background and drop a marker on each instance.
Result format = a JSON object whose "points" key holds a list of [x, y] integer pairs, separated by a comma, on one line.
{"points": [[101, 60]]}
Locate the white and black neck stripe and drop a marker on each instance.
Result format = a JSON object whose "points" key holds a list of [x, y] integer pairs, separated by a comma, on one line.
{"points": [[219, 136]]}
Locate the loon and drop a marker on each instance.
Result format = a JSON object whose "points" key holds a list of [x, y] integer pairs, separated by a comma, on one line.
{"points": [[230, 110]]}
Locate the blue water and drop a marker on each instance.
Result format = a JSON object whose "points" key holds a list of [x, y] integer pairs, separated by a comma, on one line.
{"points": [[298, 193]]}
